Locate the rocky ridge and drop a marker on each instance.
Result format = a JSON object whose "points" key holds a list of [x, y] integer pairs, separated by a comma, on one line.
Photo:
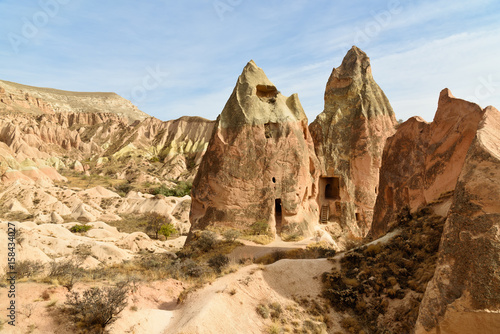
{"points": [[17, 98]]}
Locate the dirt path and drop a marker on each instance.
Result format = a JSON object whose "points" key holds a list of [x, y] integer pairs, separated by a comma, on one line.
{"points": [[251, 250]]}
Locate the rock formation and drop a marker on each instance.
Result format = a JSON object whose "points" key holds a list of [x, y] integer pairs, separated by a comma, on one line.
{"points": [[421, 162], [34, 147], [260, 164], [464, 294], [349, 137], [15, 97]]}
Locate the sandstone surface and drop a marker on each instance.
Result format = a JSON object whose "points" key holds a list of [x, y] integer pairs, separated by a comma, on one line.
{"points": [[15, 97], [260, 164], [464, 294], [422, 161], [349, 137]]}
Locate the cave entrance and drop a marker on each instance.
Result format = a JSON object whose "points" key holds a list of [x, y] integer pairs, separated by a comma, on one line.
{"points": [[332, 187], [278, 214]]}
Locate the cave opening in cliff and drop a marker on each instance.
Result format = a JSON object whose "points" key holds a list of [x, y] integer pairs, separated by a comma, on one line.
{"points": [[278, 214], [268, 91], [332, 187]]}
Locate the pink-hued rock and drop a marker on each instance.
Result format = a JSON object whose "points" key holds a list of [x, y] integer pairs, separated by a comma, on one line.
{"points": [[260, 164], [349, 137], [464, 294], [422, 161], [37, 100]]}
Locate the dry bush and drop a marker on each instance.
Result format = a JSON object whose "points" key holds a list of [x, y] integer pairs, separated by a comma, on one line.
{"points": [[218, 262], [96, 308], [371, 276], [66, 272], [28, 268]]}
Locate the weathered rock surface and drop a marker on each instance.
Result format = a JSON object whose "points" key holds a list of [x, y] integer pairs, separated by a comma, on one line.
{"points": [[349, 137], [260, 164], [36, 147], [15, 97], [46, 243], [464, 294], [49, 203], [422, 161]]}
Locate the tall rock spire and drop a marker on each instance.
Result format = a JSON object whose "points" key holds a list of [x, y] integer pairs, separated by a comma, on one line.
{"points": [[349, 138], [260, 164]]}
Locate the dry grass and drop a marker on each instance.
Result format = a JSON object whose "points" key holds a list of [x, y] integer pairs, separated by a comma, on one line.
{"points": [[79, 180], [258, 239], [130, 223]]}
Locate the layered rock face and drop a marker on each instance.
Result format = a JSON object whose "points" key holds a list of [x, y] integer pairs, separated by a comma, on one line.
{"points": [[422, 161], [34, 147], [260, 164], [464, 294], [15, 97], [349, 137]]}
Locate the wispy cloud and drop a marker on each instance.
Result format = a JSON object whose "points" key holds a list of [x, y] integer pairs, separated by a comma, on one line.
{"points": [[108, 46]]}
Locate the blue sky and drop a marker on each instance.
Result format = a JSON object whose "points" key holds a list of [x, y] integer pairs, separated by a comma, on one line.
{"points": [[175, 58]]}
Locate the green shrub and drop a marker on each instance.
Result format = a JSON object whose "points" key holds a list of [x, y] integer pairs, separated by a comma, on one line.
{"points": [[181, 189], [231, 235], [80, 228], [167, 229], [157, 224]]}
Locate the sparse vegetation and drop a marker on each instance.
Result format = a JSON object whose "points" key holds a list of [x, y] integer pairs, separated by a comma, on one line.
{"points": [[181, 189], [158, 224], [263, 311], [372, 275], [65, 272], [28, 268], [80, 228], [96, 308], [218, 262], [313, 251], [231, 235]]}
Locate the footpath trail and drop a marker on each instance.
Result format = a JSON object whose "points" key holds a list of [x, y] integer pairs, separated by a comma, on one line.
{"points": [[251, 250]]}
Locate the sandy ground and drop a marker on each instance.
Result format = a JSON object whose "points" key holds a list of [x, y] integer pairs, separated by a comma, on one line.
{"points": [[228, 305], [251, 250], [148, 311]]}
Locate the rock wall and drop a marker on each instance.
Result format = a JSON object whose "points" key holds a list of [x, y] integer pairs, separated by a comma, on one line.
{"points": [[464, 294], [422, 161], [260, 164], [349, 137]]}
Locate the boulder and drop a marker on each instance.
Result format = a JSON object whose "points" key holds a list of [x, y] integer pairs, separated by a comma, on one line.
{"points": [[56, 218]]}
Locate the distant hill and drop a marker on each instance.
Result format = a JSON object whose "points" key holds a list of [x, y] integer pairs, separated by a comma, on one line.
{"points": [[16, 97]]}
